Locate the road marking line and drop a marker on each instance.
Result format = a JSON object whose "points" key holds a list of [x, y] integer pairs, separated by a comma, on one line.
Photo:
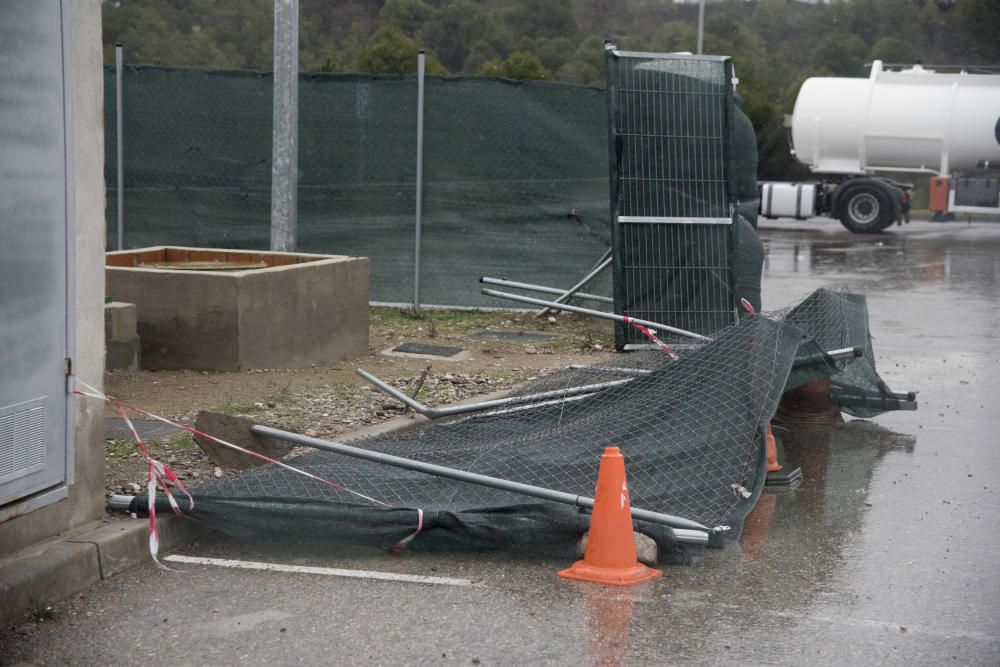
{"points": [[328, 571]]}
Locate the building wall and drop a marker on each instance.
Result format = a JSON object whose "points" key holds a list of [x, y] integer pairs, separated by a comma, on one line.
{"points": [[85, 501]]}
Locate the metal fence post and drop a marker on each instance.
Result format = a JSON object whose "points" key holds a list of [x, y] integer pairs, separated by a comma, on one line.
{"points": [[421, 63], [285, 132], [701, 24], [120, 145]]}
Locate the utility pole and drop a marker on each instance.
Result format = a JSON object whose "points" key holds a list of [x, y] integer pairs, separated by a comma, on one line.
{"points": [[285, 131]]}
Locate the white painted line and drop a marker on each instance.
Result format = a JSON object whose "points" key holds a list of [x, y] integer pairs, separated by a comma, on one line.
{"points": [[328, 571]]}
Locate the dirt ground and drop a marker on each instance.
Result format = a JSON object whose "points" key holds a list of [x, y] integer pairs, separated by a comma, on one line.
{"points": [[331, 401]]}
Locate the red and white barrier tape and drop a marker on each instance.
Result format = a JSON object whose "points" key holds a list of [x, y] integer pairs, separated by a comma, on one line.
{"points": [[748, 306], [646, 331], [160, 474]]}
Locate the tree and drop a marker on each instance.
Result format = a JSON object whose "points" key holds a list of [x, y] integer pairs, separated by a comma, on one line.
{"points": [[452, 30], [541, 18], [844, 55], [554, 52], [894, 50], [519, 65], [407, 15], [579, 72], [392, 52]]}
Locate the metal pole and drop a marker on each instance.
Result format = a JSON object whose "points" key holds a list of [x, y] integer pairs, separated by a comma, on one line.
{"points": [[421, 66], [482, 480], [120, 144], [604, 263], [434, 413], [701, 24], [843, 354], [486, 280], [542, 398], [595, 313], [285, 130]]}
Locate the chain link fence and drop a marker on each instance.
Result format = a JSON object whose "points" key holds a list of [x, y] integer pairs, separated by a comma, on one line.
{"points": [[515, 173]]}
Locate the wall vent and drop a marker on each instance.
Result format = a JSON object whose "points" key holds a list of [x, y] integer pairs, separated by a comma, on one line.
{"points": [[22, 439]]}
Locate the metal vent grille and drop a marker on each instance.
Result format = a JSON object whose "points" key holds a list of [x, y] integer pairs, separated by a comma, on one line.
{"points": [[22, 439], [673, 237]]}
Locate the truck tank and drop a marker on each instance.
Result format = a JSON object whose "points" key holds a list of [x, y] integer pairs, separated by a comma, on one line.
{"points": [[914, 120]]}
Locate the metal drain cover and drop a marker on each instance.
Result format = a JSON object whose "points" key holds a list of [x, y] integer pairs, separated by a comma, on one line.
{"points": [[433, 350]]}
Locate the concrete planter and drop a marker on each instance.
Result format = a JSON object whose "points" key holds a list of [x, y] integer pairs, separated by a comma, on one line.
{"points": [[228, 310]]}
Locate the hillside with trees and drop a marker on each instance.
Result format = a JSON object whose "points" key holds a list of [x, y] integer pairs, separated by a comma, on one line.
{"points": [[775, 44]]}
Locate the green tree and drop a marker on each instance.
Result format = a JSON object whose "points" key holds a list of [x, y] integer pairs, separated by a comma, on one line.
{"points": [[407, 15], [894, 50], [554, 52], [844, 55], [519, 65], [392, 52], [579, 72], [541, 18], [452, 30]]}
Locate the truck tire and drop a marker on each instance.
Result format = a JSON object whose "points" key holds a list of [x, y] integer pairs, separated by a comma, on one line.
{"points": [[865, 209]]}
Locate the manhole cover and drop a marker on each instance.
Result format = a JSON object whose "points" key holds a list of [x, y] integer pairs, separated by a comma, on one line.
{"points": [[433, 350], [514, 336]]}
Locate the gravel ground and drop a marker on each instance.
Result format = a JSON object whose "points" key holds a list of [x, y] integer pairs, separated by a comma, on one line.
{"points": [[331, 401]]}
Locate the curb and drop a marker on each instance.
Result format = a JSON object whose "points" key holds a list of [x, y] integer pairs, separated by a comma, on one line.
{"points": [[75, 562]]}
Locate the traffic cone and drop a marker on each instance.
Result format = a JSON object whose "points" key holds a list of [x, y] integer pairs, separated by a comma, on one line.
{"points": [[610, 556], [772, 452], [776, 477]]}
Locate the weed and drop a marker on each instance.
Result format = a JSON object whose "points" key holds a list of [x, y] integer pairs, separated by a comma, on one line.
{"points": [[283, 397], [118, 449], [181, 440], [41, 613], [233, 408], [346, 391]]}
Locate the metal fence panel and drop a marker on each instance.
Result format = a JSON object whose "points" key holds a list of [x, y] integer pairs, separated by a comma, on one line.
{"points": [[673, 237]]}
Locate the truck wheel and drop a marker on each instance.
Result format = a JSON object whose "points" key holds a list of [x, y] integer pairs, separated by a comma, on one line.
{"points": [[866, 209]]}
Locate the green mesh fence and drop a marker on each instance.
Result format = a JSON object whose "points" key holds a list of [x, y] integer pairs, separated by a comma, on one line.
{"points": [[691, 430], [515, 173]]}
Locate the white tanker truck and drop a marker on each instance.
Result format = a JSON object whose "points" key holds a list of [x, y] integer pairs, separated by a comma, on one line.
{"points": [[915, 120]]}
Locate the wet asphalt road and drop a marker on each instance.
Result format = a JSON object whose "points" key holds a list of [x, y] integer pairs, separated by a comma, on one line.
{"points": [[887, 554]]}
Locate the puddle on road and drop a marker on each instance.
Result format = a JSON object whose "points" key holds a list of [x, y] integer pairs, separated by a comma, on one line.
{"points": [[898, 262]]}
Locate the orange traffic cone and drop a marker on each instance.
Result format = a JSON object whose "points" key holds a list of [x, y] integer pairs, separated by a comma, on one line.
{"points": [[775, 477], [772, 452], [610, 555]]}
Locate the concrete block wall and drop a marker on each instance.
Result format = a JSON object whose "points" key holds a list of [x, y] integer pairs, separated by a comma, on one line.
{"points": [[121, 337], [297, 309]]}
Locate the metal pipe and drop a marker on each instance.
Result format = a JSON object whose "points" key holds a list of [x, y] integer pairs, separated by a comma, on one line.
{"points": [[701, 24], [837, 355], [602, 264], [611, 369], [120, 143], [482, 480], [539, 288], [120, 502], [421, 66], [285, 127], [846, 353], [435, 413], [595, 313]]}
